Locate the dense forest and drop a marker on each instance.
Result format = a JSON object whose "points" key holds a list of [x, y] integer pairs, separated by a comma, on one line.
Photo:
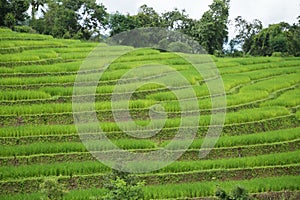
{"points": [[88, 20]]}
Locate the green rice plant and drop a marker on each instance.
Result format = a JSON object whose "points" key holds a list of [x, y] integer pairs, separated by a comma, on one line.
{"points": [[30, 43], [58, 91], [222, 64], [254, 75], [298, 114], [37, 130], [6, 70], [22, 94], [74, 55], [73, 147], [248, 139], [285, 158], [255, 114], [251, 60], [8, 34], [275, 83], [36, 109], [184, 190], [51, 108], [147, 54], [30, 55], [91, 167], [257, 67], [262, 89], [290, 98], [55, 169], [57, 67], [42, 148], [74, 49], [38, 80], [233, 80], [246, 97], [247, 115], [243, 116], [207, 189]]}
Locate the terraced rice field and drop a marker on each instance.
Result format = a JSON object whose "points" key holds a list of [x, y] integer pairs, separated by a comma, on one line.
{"points": [[258, 148]]}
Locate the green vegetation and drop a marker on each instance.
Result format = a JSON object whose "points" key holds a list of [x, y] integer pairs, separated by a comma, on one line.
{"points": [[40, 143]]}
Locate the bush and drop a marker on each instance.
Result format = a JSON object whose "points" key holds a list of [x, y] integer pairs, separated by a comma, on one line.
{"points": [[237, 193], [51, 189], [277, 54], [218, 54], [121, 185], [24, 29], [179, 47]]}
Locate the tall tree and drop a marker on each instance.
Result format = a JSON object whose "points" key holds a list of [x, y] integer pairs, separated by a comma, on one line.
{"points": [[147, 17], [275, 38], [73, 19], [119, 23], [211, 30], [13, 12], [246, 31]]}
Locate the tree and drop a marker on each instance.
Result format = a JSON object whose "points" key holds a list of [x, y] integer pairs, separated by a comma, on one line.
{"points": [[275, 38], [211, 30], [93, 18], [119, 23], [246, 31], [13, 12], [122, 185], [147, 17], [72, 19]]}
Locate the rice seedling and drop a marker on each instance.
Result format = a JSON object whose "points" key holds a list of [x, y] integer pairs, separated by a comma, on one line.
{"points": [[38, 130], [249, 139], [205, 189], [290, 98], [22, 94]]}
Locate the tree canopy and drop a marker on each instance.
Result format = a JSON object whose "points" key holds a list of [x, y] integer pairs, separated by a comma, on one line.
{"points": [[86, 19]]}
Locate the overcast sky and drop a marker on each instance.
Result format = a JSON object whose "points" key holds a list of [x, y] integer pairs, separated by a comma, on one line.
{"points": [[268, 11]]}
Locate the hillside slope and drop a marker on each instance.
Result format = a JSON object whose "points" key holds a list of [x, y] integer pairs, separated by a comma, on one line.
{"points": [[258, 148]]}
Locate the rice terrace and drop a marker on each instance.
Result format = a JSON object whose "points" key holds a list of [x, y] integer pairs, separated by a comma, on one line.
{"points": [[43, 155]]}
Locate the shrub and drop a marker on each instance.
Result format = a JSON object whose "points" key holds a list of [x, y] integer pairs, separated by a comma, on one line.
{"points": [[179, 47], [24, 29], [122, 185], [237, 193], [51, 189], [277, 54]]}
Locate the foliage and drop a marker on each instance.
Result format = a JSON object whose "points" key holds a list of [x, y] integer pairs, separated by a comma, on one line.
{"points": [[13, 12], [212, 30], [122, 185], [179, 47], [72, 19], [52, 190], [237, 193], [276, 38], [245, 33]]}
